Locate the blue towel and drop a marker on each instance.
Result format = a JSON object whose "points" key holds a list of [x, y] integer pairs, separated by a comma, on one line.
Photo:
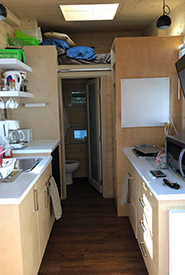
{"points": [[81, 52]]}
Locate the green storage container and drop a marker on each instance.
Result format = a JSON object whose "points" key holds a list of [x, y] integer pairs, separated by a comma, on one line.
{"points": [[22, 39], [12, 53]]}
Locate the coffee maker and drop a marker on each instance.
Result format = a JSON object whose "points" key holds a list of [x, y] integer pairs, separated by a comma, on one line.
{"points": [[10, 129]]}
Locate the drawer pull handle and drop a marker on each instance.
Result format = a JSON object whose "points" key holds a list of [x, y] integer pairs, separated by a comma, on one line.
{"points": [[142, 246], [46, 198], [142, 226], [36, 203], [142, 203]]}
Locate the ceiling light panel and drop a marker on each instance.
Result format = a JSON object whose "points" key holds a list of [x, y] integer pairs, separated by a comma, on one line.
{"points": [[89, 12]]}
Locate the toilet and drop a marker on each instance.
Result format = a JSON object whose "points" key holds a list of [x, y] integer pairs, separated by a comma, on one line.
{"points": [[71, 167]]}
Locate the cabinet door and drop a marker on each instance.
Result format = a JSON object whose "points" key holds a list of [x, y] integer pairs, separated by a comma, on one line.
{"points": [[44, 214], [29, 234], [134, 187]]}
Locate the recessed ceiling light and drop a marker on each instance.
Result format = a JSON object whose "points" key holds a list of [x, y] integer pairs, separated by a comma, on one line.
{"points": [[89, 12]]}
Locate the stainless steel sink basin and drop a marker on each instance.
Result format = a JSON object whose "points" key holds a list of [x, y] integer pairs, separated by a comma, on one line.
{"points": [[26, 164]]}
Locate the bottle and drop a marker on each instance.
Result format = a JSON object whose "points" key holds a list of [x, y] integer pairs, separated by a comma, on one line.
{"points": [[8, 149]]}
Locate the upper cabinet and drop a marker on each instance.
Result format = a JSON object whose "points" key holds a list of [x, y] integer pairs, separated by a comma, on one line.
{"points": [[14, 64]]}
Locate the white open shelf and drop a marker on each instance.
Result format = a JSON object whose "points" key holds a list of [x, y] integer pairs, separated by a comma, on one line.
{"points": [[15, 94], [13, 64]]}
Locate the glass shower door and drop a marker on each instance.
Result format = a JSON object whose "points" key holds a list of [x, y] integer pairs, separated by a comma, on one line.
{"points": [[94, 134]]}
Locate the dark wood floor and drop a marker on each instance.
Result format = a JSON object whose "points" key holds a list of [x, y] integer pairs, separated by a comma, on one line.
{"points": [[90, 238]]}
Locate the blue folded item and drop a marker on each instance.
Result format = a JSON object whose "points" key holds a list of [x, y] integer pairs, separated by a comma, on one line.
{"points": [[81, 52], [57, 42]]}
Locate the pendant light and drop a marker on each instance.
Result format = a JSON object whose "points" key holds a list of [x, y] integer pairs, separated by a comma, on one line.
{"points": [[3, 12], [164, 21]]}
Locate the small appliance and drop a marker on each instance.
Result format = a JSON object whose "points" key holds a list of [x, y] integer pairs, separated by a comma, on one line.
{"points": [[16, 136], [5, 128], [175, 154], [28, 134]]}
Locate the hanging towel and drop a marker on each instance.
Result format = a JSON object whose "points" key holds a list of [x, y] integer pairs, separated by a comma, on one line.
{"points": [[53, 191], [124, 190]]}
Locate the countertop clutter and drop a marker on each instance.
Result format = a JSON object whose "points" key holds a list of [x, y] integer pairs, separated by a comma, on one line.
{"points": [[14, 192], [161, 192], [38, 147]]}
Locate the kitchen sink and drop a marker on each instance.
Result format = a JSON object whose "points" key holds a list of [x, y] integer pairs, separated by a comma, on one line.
{"points": [[26, 164]]}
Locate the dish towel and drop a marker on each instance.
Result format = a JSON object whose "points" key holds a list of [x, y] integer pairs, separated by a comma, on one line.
{"points": [[124, 190], [53, 191]]}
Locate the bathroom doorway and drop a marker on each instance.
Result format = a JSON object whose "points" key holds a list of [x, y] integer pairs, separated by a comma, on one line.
{"points": [[82, 128], [106, 121]]}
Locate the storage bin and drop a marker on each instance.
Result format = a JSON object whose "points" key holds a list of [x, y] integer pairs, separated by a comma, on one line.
{"points": [[22, 39], [12, 53]]}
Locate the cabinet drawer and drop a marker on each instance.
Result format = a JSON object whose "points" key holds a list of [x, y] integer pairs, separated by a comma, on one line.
{"points": [[145, 242], [148, 218]]}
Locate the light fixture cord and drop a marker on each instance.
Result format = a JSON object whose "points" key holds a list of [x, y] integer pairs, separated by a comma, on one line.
{"points": [[165, 7]]}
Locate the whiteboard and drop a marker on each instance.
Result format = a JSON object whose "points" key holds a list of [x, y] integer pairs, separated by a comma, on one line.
{"points": [[145, 102]]}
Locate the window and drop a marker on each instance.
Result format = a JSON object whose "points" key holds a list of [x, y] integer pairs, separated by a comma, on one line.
{"points": [[78, 134]]}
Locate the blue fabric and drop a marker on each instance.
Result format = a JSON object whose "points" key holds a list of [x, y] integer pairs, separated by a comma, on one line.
{"points": [[81, 52], [57, 42]]}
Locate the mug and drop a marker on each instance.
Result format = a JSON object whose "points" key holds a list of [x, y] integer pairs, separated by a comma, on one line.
{"points": [[2, 104], [12, 103]]}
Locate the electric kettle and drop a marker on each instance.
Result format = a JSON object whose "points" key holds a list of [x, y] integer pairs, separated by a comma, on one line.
{"points": [[13, 75]]}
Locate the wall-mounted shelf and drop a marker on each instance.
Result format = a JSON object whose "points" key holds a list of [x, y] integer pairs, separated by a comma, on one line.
{"points": [[15, 94], [13, 64]]}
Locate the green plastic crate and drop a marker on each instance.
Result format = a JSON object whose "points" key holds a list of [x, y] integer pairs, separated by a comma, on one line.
{"points": [[23, 39], [23, 42], [12, 53]]}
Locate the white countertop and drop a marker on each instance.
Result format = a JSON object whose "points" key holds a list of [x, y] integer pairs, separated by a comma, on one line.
{"points": [[14, 192], [161, 192], [38, 147]]}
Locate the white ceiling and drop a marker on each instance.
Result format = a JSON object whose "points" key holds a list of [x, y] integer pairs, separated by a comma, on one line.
{"points": [[132, 15]]}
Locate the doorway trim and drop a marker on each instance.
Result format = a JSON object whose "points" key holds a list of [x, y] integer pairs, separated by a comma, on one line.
{"points": [[75, 75]]}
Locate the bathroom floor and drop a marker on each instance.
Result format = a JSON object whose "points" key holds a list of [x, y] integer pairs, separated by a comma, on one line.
{"points": [[90, 238]]}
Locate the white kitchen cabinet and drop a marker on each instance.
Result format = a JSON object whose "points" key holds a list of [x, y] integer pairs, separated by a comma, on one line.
{"points": [[25, 230], [149, 218], [144, 221]]}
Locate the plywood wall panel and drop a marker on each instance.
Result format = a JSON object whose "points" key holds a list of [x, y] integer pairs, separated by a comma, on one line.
{"points": [[139, 58], [42, 82], [6, 31]]}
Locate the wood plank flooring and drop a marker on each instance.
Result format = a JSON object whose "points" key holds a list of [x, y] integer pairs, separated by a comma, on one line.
{"points": [[90, 238]]}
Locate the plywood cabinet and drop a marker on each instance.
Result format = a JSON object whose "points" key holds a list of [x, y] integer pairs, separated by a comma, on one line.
{"points": [[143, 215], [26, 229], [149, 218]]}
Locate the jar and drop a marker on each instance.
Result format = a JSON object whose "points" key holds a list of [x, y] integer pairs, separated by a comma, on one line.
{"points": [[12, 84]]}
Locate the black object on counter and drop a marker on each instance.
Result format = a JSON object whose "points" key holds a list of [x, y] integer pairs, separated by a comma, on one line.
{"points": [[171, 184]]}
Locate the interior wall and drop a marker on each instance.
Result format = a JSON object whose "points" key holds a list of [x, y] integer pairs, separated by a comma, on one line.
{"points": [[77, 116], [143, 57], [43, 83], [6, 31], [101, 41]]}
